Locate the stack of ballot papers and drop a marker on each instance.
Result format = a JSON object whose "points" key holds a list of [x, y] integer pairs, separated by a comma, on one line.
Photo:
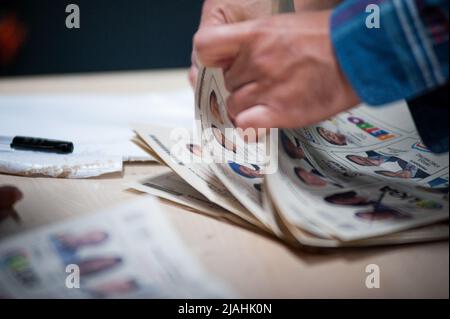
{"points": [[100, 126], [127, 252], [362, 178]]}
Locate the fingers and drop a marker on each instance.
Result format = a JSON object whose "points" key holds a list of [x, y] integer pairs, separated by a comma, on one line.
{"points": [[194, 59], [242, 99], [217, 46], [193, 71], [9, 196], [238, 74], [257, 117], [193, 75]]}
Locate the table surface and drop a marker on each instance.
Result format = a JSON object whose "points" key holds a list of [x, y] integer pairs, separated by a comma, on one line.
{"points": [[254, 265]]}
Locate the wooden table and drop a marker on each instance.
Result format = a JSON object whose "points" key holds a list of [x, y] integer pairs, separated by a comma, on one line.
{"points": [[256, 266]]}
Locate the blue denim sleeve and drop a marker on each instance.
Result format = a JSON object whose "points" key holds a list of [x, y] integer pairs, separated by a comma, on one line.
{"points": [[406, 57]]}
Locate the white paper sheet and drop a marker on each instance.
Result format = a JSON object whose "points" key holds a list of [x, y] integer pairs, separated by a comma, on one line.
{"points": [[100, 126]]}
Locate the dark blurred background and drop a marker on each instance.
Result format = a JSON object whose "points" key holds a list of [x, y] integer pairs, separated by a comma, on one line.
{"points": [[114, 35]]}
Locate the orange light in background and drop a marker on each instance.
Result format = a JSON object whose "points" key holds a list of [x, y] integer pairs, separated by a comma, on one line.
{"points": [[12, 36]]}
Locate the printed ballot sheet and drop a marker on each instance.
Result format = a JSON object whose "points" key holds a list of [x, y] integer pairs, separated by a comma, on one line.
{"points": [[173, 188], [240, 165], [178, 148], [355, 176], [362, 174], [128, 251]]}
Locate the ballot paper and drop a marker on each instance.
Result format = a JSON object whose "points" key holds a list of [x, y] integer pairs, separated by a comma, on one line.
{"points": [[361, 178], [130, 251], [390, 182], [173, 188], [390, 170], [239, 165], [100, 126], [170, 186], [179, 150]]}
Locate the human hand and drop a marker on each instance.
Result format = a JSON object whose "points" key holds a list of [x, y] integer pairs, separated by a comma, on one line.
{"points": [[221, 12], [280, 72], [8, 197]]}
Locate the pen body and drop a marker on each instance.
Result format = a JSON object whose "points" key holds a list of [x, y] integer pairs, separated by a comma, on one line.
{"points": [[41, 145]]}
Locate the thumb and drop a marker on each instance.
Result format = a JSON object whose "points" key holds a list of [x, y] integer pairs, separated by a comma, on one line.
{"points": [[216, 46]]}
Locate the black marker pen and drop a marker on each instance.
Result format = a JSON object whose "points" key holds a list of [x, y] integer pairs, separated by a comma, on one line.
{"points": [[35, 144]]}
